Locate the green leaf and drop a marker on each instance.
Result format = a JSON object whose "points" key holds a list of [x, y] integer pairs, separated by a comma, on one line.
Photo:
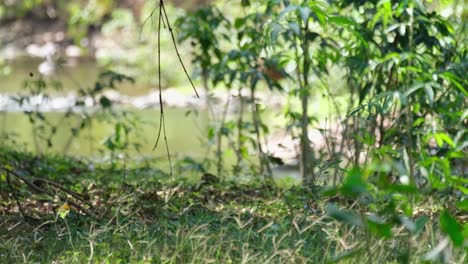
{"points": [[414, 88], [378, 226], [403, 188], [429, 94], [408, 224], [320, 15], [441, 138], [452, 228], [304, 12], [344, 216], [465, 230], [452, 78], [211, 133], [294, 27], [420, 223], [462, 189], [341, 21], [354, 184], [463, 205]]}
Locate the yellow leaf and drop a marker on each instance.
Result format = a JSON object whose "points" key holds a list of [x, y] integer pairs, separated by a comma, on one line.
{"points": [[64, 210]]}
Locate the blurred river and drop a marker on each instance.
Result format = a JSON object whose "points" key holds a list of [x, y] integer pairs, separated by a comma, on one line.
{"points": [[186, 134]]}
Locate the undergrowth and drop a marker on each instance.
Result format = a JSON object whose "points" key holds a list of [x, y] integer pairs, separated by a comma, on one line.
{"points": [[147, 218]]}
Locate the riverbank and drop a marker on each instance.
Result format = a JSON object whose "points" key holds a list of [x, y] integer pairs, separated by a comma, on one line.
{"points": [[171, 97]]}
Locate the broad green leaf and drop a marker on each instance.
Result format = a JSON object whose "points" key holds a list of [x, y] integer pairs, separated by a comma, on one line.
{"points": [[457, 180], [294, 27], [463, 205], [418, 121], [419, 224], [452, 228], [409, 224], [304, 12], [429, 94], [378, 226], [354, 184], [462, 189], [465, 230], [414, 88], [287, 10], [343, 216], [403, 188], [452, 78], [341, 21], [441, 138], [319, 14], [211, 133]]}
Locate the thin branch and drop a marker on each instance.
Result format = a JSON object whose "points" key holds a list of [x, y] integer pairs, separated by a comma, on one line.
{"points": [[60, 187], [167, 148], [161, 107], [14, 195], [175, 47], [162, 120], [144, 23], [40, 190]]}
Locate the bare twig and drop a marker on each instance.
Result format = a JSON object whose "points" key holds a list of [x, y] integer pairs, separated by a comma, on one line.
{"points": [[161, 107], [38, 189], [175, 46], [13, 191], [162, 123], [60, 187]]}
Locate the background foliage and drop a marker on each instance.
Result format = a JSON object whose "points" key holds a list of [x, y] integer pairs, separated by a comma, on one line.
{"points": [[389, 183]]}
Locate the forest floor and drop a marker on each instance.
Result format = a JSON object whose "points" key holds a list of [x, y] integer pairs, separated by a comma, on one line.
{"points": [[82, 212]]}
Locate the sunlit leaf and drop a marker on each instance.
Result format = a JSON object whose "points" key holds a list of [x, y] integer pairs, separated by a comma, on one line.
{"points": [[455, 81], [463, 205], [64, 210], [443, 137]]}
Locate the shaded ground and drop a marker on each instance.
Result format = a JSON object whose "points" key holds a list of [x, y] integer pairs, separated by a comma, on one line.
{"points": [[140, 214]]}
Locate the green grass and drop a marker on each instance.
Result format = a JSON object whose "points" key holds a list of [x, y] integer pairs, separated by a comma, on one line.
{"points": [[151, 219]]}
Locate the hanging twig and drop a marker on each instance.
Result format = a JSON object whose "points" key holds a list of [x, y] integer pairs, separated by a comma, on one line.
{"points": [[163, 19], [162, 123], [175, 46], [161, 107]]}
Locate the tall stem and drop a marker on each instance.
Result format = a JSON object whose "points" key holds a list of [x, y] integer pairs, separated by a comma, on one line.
{"points": [[265, 169], [240, 124], [305, 162]]}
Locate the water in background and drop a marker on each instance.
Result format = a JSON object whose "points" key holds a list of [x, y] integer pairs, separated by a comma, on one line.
{"points": [[186, 134]]}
